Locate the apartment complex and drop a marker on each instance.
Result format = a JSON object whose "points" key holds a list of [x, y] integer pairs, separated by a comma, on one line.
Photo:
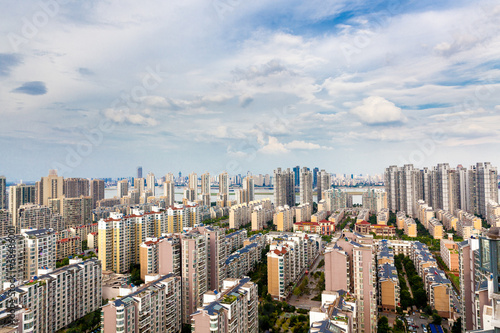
{"points": [[120, 236], [350, 265], [154, 307], [374, 200], [289, 256], [59, 297], [442, 187], [232, 310]]}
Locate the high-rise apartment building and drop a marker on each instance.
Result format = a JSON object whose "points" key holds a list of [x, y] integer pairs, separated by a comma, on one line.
{"points": [[486, 186], [283, 218], [41, 251], [154, 307], [139, 185], [19, 195], [32, 216], [75, 187], [374, 200], [96, 191], [296, 172], [284, 188], [324, 183], [151, 183], [59, 297], [306, 186], [169, 193], [160, 256], [442, 188], [350, 265], [122, 188], [5, 222], [193, 183], [193, 272], [3, 193], [205, 189], [233, 309], [50, 187]]}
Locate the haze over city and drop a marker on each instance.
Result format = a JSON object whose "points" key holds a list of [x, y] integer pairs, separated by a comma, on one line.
{"points": [[349, 86]]}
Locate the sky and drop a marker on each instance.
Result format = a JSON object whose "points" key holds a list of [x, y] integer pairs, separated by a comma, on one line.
{"points": [[96, 88]]}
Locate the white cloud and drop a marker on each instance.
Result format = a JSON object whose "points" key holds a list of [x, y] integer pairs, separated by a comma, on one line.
{"points": [[273, 146], [121, 116], [377, 110], [298, 144]]}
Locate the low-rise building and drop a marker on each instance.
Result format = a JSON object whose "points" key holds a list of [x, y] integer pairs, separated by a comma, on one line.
{"points": [[435, 228], [68, 246], [410, 227], [449, 253], [439, 291]]}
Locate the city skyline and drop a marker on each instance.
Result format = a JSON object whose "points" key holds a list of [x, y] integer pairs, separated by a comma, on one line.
{"points": [[236, 86]]}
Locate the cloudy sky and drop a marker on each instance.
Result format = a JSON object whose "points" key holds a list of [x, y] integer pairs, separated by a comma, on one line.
{"points": [[96, 88]]}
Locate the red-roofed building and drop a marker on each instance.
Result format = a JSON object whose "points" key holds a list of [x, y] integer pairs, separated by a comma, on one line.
{"points": [[322, 227], [68, 247], [362, 227]]}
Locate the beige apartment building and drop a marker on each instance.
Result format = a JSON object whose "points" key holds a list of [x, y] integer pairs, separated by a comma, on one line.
{"points": [[153, 307], [283, 218], [232, 310], [410, 227], [435, 228], [60, 296], [68, 247], [449, 253]]}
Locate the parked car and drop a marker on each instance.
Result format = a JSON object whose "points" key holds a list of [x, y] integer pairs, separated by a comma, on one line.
{"points": [[424, 328], [422, 317]]}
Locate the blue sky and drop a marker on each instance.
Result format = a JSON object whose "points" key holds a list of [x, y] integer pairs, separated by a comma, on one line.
{"points": [[96, 88]]}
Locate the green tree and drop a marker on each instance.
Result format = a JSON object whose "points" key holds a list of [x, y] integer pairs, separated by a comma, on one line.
{"points": [[457, 326], [399, 326], [383, 325], [420, 298], [436, 319]]}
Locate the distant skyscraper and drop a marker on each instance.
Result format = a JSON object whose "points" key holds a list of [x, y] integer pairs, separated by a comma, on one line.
{"points": [[75, 187], [315, 177], [139, 185], [96, 190], [193, 183], [205, 189], [324, 183], [150, 182], [284, 188], [248, 188], [139, 172], [122, 188], [169, 193], [3, 194], [296, 171], [169, 177], [20, 195], [306, 186], [51, 187], [223, 183]]}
